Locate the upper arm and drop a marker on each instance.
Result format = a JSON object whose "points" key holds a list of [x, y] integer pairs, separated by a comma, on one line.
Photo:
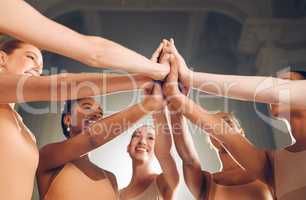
{"points": [[24, 27], [162, 149], [168, 180], [196, 179], [57, 154]]}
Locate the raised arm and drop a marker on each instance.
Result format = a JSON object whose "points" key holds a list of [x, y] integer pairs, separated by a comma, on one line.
{"points": [[224, 129], [32, 27], [101, 132], [196, 180], [248, 88], [169, 179], [18, 88]]}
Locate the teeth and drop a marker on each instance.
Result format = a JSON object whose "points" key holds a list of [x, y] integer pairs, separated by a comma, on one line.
{"points": [[141, 149], [90, 121]]}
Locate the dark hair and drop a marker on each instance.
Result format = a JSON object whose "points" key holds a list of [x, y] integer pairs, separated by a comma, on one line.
{"points": [[67, 111], [300, 72], [9, 46]]}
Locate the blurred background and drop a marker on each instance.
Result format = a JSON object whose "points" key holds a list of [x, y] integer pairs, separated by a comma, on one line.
{"points": [[244, 37]]}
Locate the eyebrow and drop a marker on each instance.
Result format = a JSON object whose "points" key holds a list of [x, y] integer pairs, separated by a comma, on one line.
{"points": [[32, 53]]}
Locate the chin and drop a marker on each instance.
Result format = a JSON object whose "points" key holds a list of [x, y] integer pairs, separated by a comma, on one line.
{"points": [[141, 158]]}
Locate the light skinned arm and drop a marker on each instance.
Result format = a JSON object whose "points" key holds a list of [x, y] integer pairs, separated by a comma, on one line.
{"points": [[261, 89], [195, 178], [253, 160], [31, 26], [248, 88], [163, 144], [18, 88], [101, 132]]}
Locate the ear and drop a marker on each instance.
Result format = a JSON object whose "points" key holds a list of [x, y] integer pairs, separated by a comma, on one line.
{"points": [[3, 58], [67, 120]]}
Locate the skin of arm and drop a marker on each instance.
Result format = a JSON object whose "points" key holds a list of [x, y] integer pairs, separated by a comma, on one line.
{"points": [[217, 127], [90, 50], [262, 89], [252, 160], [18, 88], [195, 179], [169, 178], [101, 132]]}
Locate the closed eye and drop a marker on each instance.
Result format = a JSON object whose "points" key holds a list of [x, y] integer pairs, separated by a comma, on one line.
{"points": [[31, 57], [135, 136]]}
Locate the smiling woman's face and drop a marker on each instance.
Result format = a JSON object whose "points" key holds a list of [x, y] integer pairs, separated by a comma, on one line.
{"points": [[141, 147], [24, 60]]}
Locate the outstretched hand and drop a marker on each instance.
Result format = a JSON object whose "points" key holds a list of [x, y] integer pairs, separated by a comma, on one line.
{"points": [[154, 97], [172, 87], [184, 73]]}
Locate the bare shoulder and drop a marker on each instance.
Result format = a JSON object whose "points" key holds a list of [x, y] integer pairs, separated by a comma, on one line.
{"points": [[108, 174], [111, 176]]}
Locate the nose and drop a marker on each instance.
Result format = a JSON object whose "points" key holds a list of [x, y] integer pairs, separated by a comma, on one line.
{"points": [[97, 115], [142, 140]]}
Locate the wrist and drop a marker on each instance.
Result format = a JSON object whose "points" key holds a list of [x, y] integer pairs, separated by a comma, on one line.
{"points": [[176, 103], [160, 71], [148, 104], [158, 114]]}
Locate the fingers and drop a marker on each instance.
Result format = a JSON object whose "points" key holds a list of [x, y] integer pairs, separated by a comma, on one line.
{"points": [[157, 52], [174, 68], [171, 44], [164, 58], [165, 47]]}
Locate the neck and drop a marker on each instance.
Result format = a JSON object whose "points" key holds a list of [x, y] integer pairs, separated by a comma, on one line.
{"points": [[141, 171]]}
